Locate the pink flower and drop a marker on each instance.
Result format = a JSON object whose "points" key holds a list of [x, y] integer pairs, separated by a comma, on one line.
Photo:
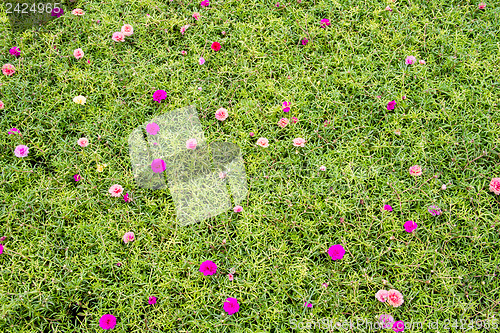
{"points": [[421, 62], [221, 114], [183, 28], [8, 69], [230, 276], [128, 237], [286, 106], [204, 3], [208, 268], [115, 190], [1, 248], [415, 170], [410, 226], [78, 53], [118, 36], [238, 209], [152, 300], [325, 22], [388, 208], [382, 295], [77, 177], [263, 142], [215, 46], [336, 252], [223, 33], [308, 305], [77, 12], [231, 306], [482, 5], [388, 9], [222, 175], [410, 60], [386, 321], [391, 105], [107, 322], [158, 165], [495, 186], [322, 168], [201, 61], [127, 30], [159, 95], [324, 285], [283, 122], [251, 134], [14, 130], [83, 142], [299, 142], [434, 210], [2, 106], [21, 151], [398, 326], [127, 198], [295, 120], [15, 51], [152, 128], [394, 298], [183, 52], [191, 144], [304, 41], [196, 16]]}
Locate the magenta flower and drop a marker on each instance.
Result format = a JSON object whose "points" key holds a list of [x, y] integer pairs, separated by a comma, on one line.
{"points": [[410, 226], [201, 61], [159, 95], [15, 51], [230, 277], [410, 60], [286, 106], [434, 210], [336, 252], [325, 22], [482, 5], [391, 105], [1, 248], [14, 130], [158, 165], [77, 177], [107, 322], [251, 133], [208, 268], [304, 41], [231, 306], [295, 120], [388, 208], [57, 12], [398, 326], [127, 198], [238, 209], [386, 321], [204, 3], [152, 128], [308, 305], [152, 300], [21, 151]]}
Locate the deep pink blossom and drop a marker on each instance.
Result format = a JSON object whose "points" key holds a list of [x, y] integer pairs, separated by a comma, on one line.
{"points": [[304, 41], [325, 23], [386, 320], [410, 60], [208, 268], [158, 165], [77, 177], [391, 105], [152, 128], [434, 210], [336, 252], [107, 322], [398, 326], [388, 208], [127, 198], [286, 106], [215, 46], [14, 130], [494, 186], [159, 95], [231, 305], [410, 226], [152, 300], [15, 51], [1, 248], [204, 3]]}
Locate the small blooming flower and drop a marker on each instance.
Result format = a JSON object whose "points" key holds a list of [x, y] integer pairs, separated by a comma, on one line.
{"points": [[324, 285], [158, 165], [128, 237], [184, 28], [251, 134], [57, 12], [83, 142], [415, 170], [443, 187], [495, 186], [304, 41], [386, 321], [221, 114], [295, 120], [1, 248], [397, 132], [388, 208], [231, 306], [196, 16], [336, 252], [299, 142], [14, 130], [283, 122], [398, 326], [201, 61], [183, 52], [325, 23], [191, 144], [223, 33], [80, 100], [238, 209], [152, 128], [208, 268], [410, 60], [2, 105], [308, 305], [215, 46], [127, 198], [159, 95], [421, 62], [434, 210], [230, 277], [394, 298], [391, 105], [152, 300], [21, 151], [77, 177], [322, 168], [78, 53], [107, 322], [382, 295], [410, 226], [8, 69], [200, 88], [204, 3], [286, 106], [15, 51], [100, 167], [263, 142], [482, 5], [118, 36], [77, 12], [127, 30], [115, 190], [389, 9]]}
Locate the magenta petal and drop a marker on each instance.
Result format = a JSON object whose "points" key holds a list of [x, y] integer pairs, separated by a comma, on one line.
{"points": [[158, 165], [152, 128]]}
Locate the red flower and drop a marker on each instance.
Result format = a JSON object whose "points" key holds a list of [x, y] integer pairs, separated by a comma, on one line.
{"points": [[215, 46]]}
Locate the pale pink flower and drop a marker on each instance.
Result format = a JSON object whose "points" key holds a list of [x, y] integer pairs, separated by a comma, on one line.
{"points": [[421, 62], [410, 60], [221, 114], [389, 9], [495, 186], [118, 36], [230, 276], [263, 142], [222, 175], [324, 285], [183, 52], [196, 16], [415, 170], [394, 298], [201, 61], [128, 237], [115, 190], [77, 12], [183, 28], [322, 168], [238, 209], [21, 151], [482, 5], [78, 53], [382, 295], [283, 122], [127, 30], [8, 69], [299, 142], [2, 106], [83, 142], [191, 144]]}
